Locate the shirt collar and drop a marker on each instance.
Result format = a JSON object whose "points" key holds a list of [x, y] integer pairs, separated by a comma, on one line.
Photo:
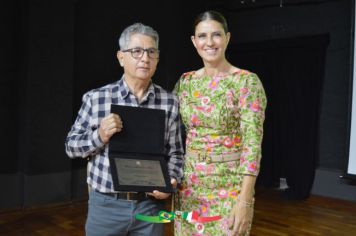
{"points": [[124, 89]]}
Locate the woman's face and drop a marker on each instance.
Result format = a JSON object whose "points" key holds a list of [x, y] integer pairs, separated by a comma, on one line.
{"points": [[211, 41]]}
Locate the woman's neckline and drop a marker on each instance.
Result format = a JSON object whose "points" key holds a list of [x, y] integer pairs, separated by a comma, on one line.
{"points": [[201, 73]]}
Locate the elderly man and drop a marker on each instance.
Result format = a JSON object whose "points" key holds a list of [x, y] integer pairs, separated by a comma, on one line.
{"points": [[111, 212]]}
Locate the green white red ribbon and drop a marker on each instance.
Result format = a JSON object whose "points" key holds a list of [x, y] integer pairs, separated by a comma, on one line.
{"points": [[166, 217]]}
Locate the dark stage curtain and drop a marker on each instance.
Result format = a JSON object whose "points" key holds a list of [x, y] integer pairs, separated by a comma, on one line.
{"points": [[11, 59], [292, 72]]}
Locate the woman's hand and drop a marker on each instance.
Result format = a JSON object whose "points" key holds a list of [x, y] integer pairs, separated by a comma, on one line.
{"points": [[242, 212], [240, 217]]}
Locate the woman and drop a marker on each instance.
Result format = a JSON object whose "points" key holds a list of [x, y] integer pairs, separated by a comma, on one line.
{"points": [[222, 108]]}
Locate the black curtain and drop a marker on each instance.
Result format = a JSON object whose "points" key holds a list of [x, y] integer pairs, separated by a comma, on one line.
{"points": [[292, 72], [12, 55]]}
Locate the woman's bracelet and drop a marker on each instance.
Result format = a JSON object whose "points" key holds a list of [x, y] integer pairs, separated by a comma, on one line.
{"points": [[246, 203]]}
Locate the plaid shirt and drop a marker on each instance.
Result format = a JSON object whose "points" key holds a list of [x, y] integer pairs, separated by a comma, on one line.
{"points": [[83, 139]]}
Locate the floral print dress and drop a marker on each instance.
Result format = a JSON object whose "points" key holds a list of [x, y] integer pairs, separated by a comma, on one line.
{"points": [[222, 115]]}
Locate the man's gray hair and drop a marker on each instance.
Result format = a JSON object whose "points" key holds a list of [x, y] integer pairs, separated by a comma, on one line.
{"points": [[137, 28]]}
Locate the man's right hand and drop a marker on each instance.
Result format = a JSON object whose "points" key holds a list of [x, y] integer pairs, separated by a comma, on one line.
{"points": [[109, 125]]}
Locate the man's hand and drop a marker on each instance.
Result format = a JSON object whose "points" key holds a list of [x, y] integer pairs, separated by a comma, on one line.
{"points": [[109, 125], [160, 195]]}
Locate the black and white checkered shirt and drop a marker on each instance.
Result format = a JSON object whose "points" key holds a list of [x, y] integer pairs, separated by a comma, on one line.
{"points": [[83, 139]]}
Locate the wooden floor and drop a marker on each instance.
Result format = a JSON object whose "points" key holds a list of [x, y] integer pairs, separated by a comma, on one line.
{"points": [[273, 217]]}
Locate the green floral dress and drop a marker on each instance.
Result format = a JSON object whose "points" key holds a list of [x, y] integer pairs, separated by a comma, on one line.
{"points": [[222, 115]]}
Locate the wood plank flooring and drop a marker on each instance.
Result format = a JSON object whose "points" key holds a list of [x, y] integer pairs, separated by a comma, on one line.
{"points": [[314, 216], [273, 217]]}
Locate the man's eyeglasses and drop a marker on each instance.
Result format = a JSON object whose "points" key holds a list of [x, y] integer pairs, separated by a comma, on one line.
{"points": [[137, 53]]}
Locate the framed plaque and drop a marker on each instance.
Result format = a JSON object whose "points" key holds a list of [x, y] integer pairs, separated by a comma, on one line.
{"points": [[140, 173], [136, 153]]}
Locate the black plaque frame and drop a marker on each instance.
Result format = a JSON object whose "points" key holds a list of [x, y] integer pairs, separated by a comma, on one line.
{"points": [[141, 139], [163, 185]]}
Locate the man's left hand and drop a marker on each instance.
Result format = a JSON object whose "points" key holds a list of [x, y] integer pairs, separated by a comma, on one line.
{"points": [[161, 195]]}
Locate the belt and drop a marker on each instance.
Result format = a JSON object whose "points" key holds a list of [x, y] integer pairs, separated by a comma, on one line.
{"points": [[211, 158], [129, 196]]}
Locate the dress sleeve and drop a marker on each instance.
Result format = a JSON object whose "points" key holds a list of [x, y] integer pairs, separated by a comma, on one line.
{"points": [[176, 88], [252, 105]]}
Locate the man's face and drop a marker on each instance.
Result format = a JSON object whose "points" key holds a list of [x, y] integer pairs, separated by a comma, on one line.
{"points": [[141, 68]]}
